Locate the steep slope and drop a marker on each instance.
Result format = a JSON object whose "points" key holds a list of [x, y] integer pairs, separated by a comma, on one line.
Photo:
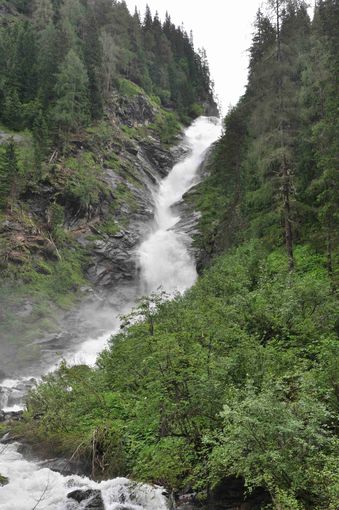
{"points": [[81, 147]]}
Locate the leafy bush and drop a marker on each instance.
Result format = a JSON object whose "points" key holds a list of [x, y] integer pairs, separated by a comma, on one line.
{"points": [[235, 378]]}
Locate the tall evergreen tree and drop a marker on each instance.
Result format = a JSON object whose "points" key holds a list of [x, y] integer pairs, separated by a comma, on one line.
{"points": [[43, 13], [93, 62], [9, 177], [71, 110]]}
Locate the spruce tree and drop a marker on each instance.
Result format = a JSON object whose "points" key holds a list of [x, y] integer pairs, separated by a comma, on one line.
{"points": [[71, 110], [9, 176], [43, 13]]}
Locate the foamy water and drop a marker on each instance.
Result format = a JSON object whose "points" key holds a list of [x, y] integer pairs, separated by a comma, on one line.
{"points": [[32, 486], [164, 256]]}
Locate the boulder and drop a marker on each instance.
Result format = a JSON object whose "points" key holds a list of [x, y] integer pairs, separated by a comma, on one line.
{"points": [[92, 499], [3, 480]]}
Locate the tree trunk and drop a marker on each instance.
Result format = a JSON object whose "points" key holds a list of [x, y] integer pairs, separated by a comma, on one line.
{"points": [[287, 215]]}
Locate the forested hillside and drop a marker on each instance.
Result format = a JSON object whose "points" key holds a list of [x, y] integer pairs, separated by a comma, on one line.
{"points": [[91, 100], [231, 391], [61, 60], [275, 169]]}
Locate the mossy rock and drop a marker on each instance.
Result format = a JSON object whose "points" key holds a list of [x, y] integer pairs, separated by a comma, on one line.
{"points": [[3, 480]]}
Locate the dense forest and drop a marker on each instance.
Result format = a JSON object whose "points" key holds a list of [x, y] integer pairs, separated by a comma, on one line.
{"points": [[61, 61], [237, 380]]}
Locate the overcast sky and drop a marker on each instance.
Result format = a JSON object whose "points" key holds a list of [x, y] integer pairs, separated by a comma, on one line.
{"points": [[223, 27]]}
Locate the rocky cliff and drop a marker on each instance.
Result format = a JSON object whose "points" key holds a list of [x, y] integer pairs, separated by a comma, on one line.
{"points": [[72, 235]]}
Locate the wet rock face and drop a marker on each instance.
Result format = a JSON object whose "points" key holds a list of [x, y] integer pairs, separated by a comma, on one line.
{"points": [[134, 111], [229, 495], [11, 395], [113, 257], [211, 109]]}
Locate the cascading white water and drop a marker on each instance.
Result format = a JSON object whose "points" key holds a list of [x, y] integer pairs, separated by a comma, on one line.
{"points": [[34, 487], [164, 257], [165, 263]]}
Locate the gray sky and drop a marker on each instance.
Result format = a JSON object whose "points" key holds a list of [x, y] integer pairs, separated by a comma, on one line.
{"points": [[223, 27]]}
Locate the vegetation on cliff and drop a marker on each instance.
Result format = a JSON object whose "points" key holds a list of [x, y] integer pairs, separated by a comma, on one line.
{"points": [[239, 377], [82, 84]]}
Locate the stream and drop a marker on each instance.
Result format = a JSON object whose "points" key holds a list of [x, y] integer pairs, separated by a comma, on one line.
{"points": [[165, 264]]}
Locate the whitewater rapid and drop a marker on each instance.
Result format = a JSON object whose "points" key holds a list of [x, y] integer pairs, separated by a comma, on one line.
{"points": [[165, 264], [164, 257]]}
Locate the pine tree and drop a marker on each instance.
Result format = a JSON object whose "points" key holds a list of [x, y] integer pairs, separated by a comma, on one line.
{"points": [[93, 62], [12, 111], [71, 110], [40, 140], [148, 19], [23, 68], [263, 39], [9, 177], [43, 13], [48, 60], [109, 63]]}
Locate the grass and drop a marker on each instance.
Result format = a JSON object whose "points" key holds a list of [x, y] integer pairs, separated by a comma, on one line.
{"points": [[129, 89]]}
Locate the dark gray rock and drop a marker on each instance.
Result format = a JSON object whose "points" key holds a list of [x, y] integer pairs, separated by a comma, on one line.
{"points": [[26, 310], [92, 499], [211, 108], [7, 417], [6, 137], [133, 111], [124, 507], [161, 159]]}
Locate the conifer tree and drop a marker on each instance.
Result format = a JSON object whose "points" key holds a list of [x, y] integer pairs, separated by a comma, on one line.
{"points": [[40, 139], [48, 59], [71, 110], [43, 13], [109, 63], [9, 176], [12, 110], [93, 62]]}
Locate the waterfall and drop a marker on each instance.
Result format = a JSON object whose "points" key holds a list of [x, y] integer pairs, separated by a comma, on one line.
{"points": [[164, 257], [165, 262]]}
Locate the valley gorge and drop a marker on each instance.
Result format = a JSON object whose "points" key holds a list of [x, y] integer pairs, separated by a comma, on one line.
{"points": [[168, 277]]}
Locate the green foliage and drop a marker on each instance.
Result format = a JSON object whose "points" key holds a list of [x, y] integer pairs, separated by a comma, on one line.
{"points": [[263, 435], [128, 88], [83, 185], [70, 56], [56, 216], [272, 175], [71, 107], [110, 228], [239, 377], [236, 378], [9, 176], [168, 127]]}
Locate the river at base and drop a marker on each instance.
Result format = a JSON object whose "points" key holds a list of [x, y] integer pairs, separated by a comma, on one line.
{"points": [[165, 264]]}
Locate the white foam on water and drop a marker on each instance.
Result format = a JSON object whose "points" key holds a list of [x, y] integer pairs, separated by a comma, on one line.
{"points": [[164, 257], [31, 486]]}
